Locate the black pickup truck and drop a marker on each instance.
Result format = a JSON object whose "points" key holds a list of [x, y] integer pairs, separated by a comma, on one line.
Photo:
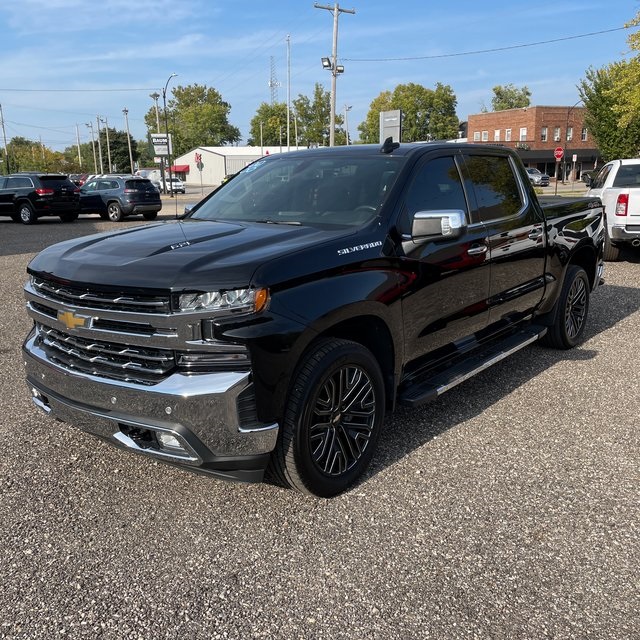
{"points": [[271, 327]]}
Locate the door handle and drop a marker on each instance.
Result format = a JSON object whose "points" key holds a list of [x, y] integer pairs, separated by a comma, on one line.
{"points": [[536, 234], [477, 250]]}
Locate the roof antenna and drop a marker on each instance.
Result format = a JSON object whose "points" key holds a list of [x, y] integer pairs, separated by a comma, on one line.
{"points": [[389, 145]]}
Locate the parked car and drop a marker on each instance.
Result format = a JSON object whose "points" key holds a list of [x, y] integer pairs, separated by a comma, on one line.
{"points": [[176, 185], [114, 197], [27, 196], [78, 178], [618, 186], [538, 178]]}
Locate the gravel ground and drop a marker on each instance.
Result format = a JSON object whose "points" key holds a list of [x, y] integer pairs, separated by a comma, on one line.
{"points": [[506, 509]]}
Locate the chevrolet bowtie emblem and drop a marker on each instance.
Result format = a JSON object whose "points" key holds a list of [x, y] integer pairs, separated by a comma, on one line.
{"points": [[72, 321]]}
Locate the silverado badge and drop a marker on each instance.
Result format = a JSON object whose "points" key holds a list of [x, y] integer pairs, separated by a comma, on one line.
{"points": [[73, 321]]}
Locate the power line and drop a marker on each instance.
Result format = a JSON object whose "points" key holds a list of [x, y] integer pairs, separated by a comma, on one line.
{"points": [[77, 90], [472, 53]]}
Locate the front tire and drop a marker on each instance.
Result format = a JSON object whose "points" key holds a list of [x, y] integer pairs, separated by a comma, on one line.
{"points": [[26, 213], [572, 309], [332, 421], [114, 212]]}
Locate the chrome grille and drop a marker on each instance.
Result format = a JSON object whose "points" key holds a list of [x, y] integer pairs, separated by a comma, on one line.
{"points": [[104, 359], [77, 296]]}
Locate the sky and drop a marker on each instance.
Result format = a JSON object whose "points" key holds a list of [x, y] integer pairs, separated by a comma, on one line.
{"points": [[63, 63]]}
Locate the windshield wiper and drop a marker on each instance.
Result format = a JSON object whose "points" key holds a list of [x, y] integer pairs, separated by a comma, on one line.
{"points": [[269, 221]]}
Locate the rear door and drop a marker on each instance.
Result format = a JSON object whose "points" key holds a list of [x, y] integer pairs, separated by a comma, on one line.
{"points": [[515, 230], [6, 199], [447, 301]]}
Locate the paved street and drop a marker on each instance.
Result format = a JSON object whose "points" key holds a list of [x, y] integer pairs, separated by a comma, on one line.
{"points": [[509, 508]]}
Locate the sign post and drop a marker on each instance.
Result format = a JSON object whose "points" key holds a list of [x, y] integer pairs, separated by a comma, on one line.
{"points": [[557, 154], [198, 159]]}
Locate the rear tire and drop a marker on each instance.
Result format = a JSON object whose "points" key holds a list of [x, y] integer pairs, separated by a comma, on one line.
{"points": [[572, 309], [114, 212], [611, 251], [26, 214], [333, 418]]}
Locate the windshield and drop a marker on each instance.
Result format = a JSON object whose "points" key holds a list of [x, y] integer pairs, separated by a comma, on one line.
{"points": [[345, 190]]}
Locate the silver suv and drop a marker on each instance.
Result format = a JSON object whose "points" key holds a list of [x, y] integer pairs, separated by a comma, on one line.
{"points": [[538, 178]]}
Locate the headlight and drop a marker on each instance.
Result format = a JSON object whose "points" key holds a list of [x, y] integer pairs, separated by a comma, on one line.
{"points": [[249, 300]]}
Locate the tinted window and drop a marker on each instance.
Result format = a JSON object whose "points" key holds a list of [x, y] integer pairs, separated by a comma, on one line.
{"points": [[436, 186], [495, 186], [628, 176], [139, 185], [598, 183], [55, 182], [19, 182]]}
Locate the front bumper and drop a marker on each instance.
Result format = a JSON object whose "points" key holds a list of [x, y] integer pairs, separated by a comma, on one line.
{"points": [[202, 412]]}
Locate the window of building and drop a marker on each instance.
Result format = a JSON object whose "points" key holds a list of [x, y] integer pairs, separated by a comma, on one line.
{"points": [[523, 134], [583, 135], [556, 134], [496, 135], [476, 136], [485, 136], [507, 135], [569, 134], [543, 134]]}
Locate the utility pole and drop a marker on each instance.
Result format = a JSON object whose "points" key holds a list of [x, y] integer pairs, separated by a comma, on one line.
{"points": [[288, 91], [93, 146], [78, 143], [106, 126], [126, 121], [4, 136], [334, 67], [99, 145]]}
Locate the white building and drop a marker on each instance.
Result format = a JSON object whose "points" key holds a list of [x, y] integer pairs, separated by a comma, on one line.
{"points": [[217, 162]]}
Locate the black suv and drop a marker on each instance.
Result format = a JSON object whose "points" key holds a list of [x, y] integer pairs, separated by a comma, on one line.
{"points": [[27, 196], [114, 197]]}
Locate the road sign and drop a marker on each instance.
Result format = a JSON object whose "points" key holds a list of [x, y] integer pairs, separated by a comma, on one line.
{"points": [[160, 145], [558, 153]]}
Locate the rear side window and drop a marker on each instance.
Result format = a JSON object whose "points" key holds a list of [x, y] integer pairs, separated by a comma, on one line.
{"points": [[19, 182], [628, 176], [495, 185]]}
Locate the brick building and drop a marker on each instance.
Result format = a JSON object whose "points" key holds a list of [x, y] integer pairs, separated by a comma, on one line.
{"points": [[535, 132]]}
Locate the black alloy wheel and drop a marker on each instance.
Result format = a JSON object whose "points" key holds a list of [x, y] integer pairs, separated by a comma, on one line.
{"points": [[333, 420], [572, 309]]}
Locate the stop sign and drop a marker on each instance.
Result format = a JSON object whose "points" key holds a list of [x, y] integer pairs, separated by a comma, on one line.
{"points": [[558, 153]]}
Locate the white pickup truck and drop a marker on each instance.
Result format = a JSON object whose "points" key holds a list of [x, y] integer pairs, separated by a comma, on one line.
{"points": [[618, 186]]}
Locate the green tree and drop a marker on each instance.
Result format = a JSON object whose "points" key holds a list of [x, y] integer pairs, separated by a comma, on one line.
{"points": [[599, 91], [195, 116], [269, 125], [427, 114], [313, 118], [509, 96], [29, 155], [119, 149], [626, 91]]}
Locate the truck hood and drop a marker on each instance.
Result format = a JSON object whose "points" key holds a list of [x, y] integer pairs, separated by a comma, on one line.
{"points": [[177, 255]]}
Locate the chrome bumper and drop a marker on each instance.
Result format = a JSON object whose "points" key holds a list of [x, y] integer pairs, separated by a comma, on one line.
{"points": [[200, 410], [622, 234]]}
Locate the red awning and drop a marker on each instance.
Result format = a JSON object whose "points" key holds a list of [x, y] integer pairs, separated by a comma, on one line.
{"points": [[180, 168]]}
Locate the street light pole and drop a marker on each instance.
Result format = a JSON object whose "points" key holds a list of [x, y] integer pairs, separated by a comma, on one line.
{"points": [[100, 145], [347, 108], [333, 66], [155, 95], [126, 121], [93, 146], [166, 130]]}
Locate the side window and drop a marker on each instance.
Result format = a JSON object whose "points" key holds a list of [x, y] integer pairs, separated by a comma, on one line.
{"points": [[495, 185], [601, 178], [436, 186], [628, 176], [90, 186]]}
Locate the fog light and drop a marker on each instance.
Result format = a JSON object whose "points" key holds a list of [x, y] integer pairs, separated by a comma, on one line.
{"points": [[169, 442]]}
